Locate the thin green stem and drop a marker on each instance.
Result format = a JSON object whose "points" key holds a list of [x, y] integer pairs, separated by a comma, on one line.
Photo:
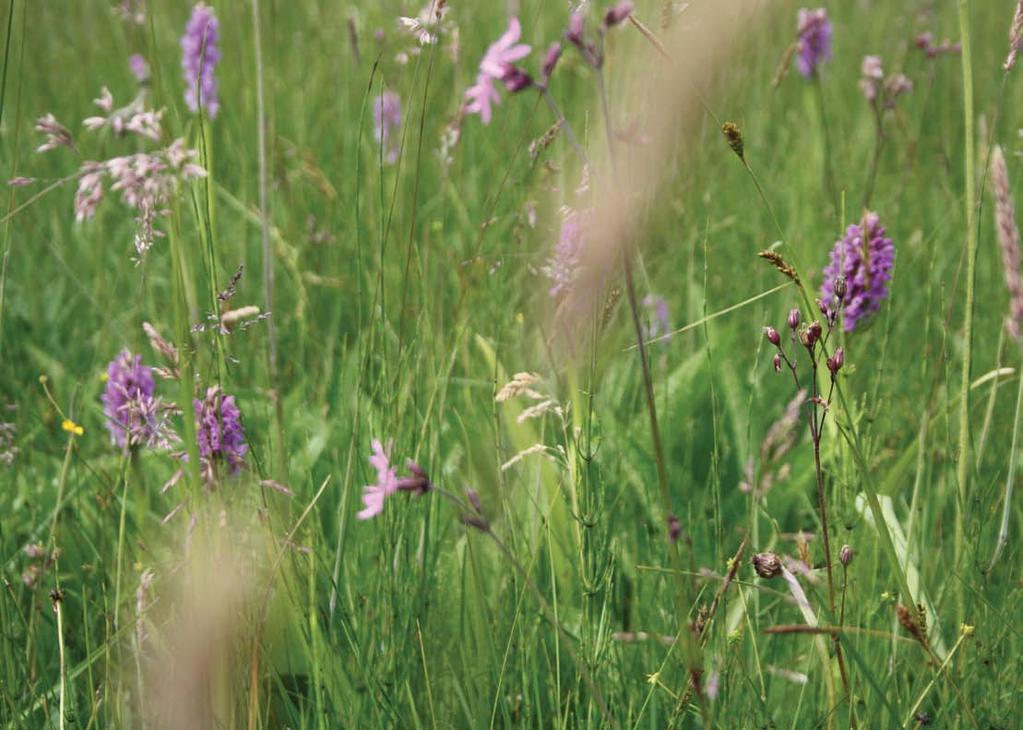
{"points": [[1003, 529], [267, 253], [969, 172]]}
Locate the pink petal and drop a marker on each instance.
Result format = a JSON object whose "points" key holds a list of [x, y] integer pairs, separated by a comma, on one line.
{"points": [[373, 498], [511, 35]]}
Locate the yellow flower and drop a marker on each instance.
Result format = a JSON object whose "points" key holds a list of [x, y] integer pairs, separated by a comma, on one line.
{"points": [[967, 630], [72, 427]]}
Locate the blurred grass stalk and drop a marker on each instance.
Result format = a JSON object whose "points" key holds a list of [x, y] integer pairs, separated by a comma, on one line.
{"points": [[969, 171], [280, 470]]}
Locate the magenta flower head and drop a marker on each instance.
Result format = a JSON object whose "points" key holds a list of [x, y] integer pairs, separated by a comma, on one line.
{"points": [[139, 68], [220, 433], [200, 53], [865, 258], [386, 122], [497, 65], [128, 392], [814, 31]]}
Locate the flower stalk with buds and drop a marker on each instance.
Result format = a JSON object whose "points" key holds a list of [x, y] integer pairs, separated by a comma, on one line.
{"points": [[813, 338]]}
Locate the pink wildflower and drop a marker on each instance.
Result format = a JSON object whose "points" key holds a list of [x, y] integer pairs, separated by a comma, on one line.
{"points": [[496, 64], [373, 495]]}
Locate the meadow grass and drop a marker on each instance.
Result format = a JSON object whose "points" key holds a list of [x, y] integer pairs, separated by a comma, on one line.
{"points": [[605, 578]]}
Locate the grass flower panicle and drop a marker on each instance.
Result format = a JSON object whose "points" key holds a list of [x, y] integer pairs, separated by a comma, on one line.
{"points": [[563, 266], [865, 257], [200, 52], [1015, 36], [1008, 241], [57, 135]]}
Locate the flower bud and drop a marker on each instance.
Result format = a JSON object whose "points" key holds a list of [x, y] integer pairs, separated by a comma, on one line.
{"points": [[418, 483], [836, 361], [674, 528], [840, 287], [767, 565], [772, 336], [574, 34], [515, 79], [777, 362], [845, 555], [811, 334], [794, 318], [550, 61], [617, 13]]}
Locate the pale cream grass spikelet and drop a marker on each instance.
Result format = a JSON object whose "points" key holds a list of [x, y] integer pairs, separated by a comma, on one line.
{"points": [[1015, 36], [234, 316], [519, 385], [534, 449], [546, 406], [1008, 241]]}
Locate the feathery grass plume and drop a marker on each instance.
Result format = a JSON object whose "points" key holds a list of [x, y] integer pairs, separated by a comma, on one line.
{"points": [[563, 266], [134, 118], [1008, 241], [497, 65], [520, 384], [200, 53], [57, 135], [814, 32], [1015, 36], [386, 123], [865, 257]]}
